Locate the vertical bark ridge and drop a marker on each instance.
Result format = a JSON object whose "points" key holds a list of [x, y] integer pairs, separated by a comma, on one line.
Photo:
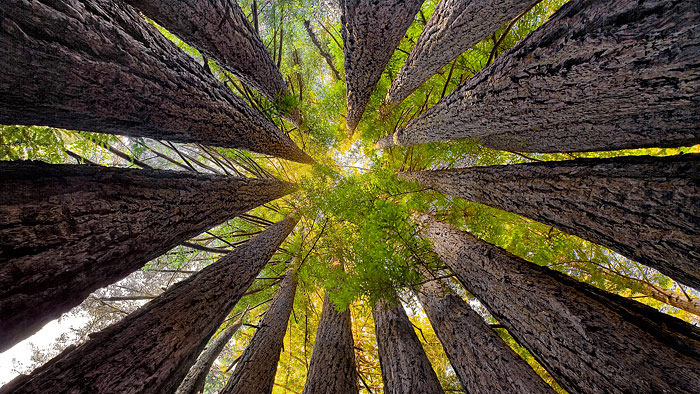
{"points": [[643, 207], [96, 65], [332, 369], [255, 372], [599, 75], [591, 341], [405, 367], [67, 230], [152, 349], [220, 30], [371, 32], [456, 25], [484, 363]]}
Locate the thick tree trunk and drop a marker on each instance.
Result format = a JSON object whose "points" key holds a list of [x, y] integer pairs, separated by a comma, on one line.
{"points": [[645, 208], [371, 32], [220, 30], [483, 362], [590, 341], [196, 378], [456, 25], [599, 75], [405, 367], [67, 230], [151, 350], [96, 65], [255, 371], [332, 369]]}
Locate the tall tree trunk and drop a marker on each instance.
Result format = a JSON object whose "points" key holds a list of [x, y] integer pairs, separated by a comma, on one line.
{"points": [[456, 25], [67, 230], [484, 363], [599, 75], [371, 32], [332, 369], [590, 341], [645, 208], [96, 65], [255, 371], [324, 53], [151, 350], [405, 367], [220, 30], [196, 378]]}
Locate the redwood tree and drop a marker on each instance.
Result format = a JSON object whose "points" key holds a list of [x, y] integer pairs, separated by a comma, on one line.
{"points": [[484, 363], [643, 207], [456, 25], [220, 30], [67, 230], [96, 65], [255, 371], [332, 369], [371, 32], [590, 341], [405, 367], [599, 75], [152, 349]]}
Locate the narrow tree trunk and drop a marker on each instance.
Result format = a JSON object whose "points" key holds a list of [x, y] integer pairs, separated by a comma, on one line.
{"points": [[405, 367], [599, 75], [456, 25], [67, 230], [196, 378], [484, 363], [324, 53], [371, 32], [332, 369], [255, 371], [96, 65], [590, 341], [645, 208], [151, 350], [220, 30]]}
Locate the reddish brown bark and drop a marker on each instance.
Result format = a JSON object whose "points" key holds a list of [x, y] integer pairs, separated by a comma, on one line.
{"points": [[589, 340], [67, 230], [96, 65], [151, 350]]}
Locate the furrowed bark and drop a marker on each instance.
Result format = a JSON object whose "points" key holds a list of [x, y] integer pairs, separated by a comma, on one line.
{"points": [[643, 207], [405, 367], [484, 363], [255, 372], [371, 32], [67, 230], [590, 341], [220, 30], [152, 349], [196, 378], [332, 369], [599, 75], [456, 25], [96, 65]]}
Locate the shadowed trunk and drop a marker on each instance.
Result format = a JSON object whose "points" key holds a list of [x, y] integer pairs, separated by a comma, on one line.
{"points": [[151, 350], [456, 25], [332, 369], [371, 32], [590, 341], [483, 362], [67, 230], [96, 65], [255, 371], [643, 207], [405, 367], [599, 75], [220, 30], [196, 378]]}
